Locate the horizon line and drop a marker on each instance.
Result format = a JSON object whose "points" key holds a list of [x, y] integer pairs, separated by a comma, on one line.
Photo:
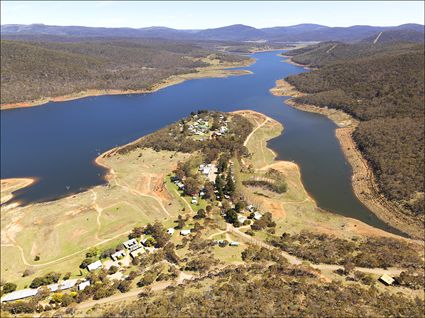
{"points": [[196, 29]]}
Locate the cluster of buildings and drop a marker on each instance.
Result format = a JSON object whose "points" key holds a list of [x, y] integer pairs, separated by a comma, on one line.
{"points": [[209, 170], [30, 292], [132, 249], [201, 127]]}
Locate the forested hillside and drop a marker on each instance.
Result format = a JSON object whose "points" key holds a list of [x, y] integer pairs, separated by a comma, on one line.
{"points": [[33, 70], [268, 290], [383, 87]]}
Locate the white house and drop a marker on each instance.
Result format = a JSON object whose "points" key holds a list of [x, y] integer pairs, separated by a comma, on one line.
{"points": [[241, 218], [117, 255], [184, 232], [387, 279], [130, 243], [170, 231], [137, 252], [66, 284], [257, 215], [94, 266], [83, 285], [19, 294], [206, 169], [194, 200], [234, 244]]}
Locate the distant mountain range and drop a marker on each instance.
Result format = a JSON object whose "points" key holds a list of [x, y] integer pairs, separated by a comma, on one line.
{"points": [[236, 32]]}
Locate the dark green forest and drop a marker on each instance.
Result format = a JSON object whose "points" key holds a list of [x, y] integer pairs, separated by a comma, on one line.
{"points": [[33, 70], [383, 87]]}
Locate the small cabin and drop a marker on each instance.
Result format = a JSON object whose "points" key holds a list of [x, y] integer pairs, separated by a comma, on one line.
{"points": [[94, 266], [118, 255], [386, 279], [83, 285], [257, 215], [130, 244], [241, 219], [184, 232], [137, 252]]}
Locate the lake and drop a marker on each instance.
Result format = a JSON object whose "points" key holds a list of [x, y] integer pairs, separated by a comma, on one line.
{"points": [[58, 142]]}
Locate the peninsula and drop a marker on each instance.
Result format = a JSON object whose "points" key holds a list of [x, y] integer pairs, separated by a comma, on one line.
{"points": [[201, 197]]}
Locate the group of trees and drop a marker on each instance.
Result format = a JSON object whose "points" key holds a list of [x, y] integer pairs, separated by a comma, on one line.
{"points": [[158, 233], [49, 278], [225, 185], [383, 87], [272, 180], [8, 288]]}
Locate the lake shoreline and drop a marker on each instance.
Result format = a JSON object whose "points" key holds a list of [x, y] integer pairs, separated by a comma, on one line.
{"points": [[10, 185], [351, 225], [212, 71], [363, 179]]}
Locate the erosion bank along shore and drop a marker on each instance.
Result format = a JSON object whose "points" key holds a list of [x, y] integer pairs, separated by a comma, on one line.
{"points": [[336, 224], [211, 71], [363, 179], [8, 186]]}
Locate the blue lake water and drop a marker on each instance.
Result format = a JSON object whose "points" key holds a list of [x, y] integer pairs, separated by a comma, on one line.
{"points": [[57, 142]]}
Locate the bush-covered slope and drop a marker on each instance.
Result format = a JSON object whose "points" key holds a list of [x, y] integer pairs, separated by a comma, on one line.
{"points": [[396, 36], [33, 70], [262, 290], [384, 89]]}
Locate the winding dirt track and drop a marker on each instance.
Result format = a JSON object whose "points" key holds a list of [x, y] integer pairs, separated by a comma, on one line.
{"points": [[255, 129]]}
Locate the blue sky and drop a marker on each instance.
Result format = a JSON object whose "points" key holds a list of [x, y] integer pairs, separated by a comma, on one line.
{"points": [[199, 15]]}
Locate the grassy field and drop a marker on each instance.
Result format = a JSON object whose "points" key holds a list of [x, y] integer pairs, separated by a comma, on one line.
{"points": [[61, 231]]}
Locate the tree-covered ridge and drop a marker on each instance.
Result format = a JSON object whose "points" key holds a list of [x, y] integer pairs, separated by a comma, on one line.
{"points": [[386, 93], [33, 70]]}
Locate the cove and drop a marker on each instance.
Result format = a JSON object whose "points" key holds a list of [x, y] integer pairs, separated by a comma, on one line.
{"points": [[58, 142]]}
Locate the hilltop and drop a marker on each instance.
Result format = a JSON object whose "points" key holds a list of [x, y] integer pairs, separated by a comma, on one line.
{"points": [[236, 32]]}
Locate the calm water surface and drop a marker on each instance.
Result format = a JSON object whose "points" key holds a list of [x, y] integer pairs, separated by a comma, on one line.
{"points": [[58, 142]]}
